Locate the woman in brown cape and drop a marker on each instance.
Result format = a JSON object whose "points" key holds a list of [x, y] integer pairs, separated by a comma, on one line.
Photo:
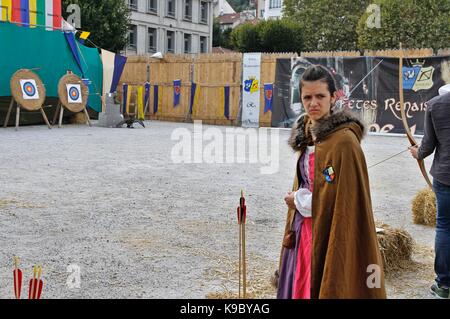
{"points": [[330, 247]]}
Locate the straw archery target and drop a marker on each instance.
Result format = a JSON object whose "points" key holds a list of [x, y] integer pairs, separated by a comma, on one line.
{"points": [[29, 89], [74, 93]]}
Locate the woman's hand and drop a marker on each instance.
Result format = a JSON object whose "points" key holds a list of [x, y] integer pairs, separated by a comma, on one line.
{"points": [[289, 199]]}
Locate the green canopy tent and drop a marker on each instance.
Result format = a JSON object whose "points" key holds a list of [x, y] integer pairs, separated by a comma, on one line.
{"points": [[49, 55]]}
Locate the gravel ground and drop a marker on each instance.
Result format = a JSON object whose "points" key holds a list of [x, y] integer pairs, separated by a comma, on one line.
{"points": [[113, 203]]}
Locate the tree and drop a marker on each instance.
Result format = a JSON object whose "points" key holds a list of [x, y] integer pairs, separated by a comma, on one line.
{"points": [[221, 38], [245, 38], [327, 24], [417, 24], [267, 36], [280, 36], [107, 20]]}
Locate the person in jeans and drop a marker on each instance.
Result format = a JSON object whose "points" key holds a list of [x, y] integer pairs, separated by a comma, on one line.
{"points": [[437, 139]]}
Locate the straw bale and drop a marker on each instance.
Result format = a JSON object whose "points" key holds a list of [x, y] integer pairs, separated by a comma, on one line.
{"points": [[424, 207], [396, 246]]}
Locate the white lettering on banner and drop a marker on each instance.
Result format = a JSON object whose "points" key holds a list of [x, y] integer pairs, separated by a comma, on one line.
{"points": [[394, 106]]}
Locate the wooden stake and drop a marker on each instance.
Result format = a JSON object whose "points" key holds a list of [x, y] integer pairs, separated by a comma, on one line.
{"points": [[61, 114], [55, 116], [244, 268], [11, 105], [17, 116], [88, 121], [45, 119], [240, 251]]}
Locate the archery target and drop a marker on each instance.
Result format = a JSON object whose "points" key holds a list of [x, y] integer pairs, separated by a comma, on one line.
{"points": [[29, 89], [74, 93]]}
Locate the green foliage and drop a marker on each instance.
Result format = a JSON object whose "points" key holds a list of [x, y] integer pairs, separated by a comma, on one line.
{"points": [[245, 38], [267, 36], [107, 20], [221, 38], [327, 24], [280, 36], [415, 23]]}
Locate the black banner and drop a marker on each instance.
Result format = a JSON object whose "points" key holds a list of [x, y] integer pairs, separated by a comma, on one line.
{"points": [[368, 86]]}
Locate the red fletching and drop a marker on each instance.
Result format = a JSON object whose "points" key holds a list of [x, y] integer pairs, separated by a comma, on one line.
{"points": [[239, 215], [35, 289], [17, 274]]}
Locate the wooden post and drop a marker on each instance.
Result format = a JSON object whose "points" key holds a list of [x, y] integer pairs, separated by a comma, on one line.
{"points": [[45, 119], [55, 117], [17, 116], [9, 112], [61, 113], [88, 121]]}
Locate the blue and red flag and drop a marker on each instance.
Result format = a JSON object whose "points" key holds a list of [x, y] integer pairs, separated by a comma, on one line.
{"points": [[176, 92]]}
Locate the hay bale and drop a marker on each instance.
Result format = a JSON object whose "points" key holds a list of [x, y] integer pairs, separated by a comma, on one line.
{"points": [[424, 207], [78, 118], [396, 246]]}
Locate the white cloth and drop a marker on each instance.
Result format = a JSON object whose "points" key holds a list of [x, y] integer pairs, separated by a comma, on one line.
{"points": [[303, 201], [444, 89], [303, 197]]}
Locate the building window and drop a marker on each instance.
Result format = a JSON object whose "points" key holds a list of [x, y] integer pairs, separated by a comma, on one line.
{"points": [[187, 43], [275, 4], [152, 36], [132, 37], [152, 6], [132, 4], [187, 10], [203, 45], [171, 8], [203, 12], [170, 41]]}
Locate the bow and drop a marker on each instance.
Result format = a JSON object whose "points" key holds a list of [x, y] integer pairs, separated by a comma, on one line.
{"points": [[411, 139]]}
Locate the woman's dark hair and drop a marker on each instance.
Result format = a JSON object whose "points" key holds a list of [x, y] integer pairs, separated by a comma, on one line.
{"points": [[319, 73]]}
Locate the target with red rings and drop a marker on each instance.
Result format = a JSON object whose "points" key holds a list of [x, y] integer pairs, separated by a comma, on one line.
{"points": [[74, 93], [29, 89]]}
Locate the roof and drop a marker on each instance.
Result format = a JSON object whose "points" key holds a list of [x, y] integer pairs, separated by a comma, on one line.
{"points": [[229, 18]]}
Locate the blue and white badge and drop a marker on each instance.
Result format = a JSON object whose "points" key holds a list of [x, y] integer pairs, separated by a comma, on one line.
{"points": [[329, 174]]}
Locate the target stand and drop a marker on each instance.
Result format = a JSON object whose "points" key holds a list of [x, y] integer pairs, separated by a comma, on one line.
{"points": [[73, 95], [28, 92]]}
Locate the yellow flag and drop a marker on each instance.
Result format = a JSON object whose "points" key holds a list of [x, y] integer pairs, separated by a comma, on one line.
{"points": [[130, 88], [140, 103], [5, 14], [221, 101], [84, 35], [33, 13]]}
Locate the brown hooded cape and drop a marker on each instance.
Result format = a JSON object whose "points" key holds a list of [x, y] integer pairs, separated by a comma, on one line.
{"points": [[343, 230]]}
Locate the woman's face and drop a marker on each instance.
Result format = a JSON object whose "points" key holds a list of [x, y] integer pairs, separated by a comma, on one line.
{"points": [[316, 99]]}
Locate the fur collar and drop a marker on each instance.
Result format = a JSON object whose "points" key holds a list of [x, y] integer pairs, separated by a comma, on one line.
{"points": [[302, 128]]}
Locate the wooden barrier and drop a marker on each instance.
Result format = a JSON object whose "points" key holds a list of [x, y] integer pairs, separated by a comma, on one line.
{"points": [[211, 72]]}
